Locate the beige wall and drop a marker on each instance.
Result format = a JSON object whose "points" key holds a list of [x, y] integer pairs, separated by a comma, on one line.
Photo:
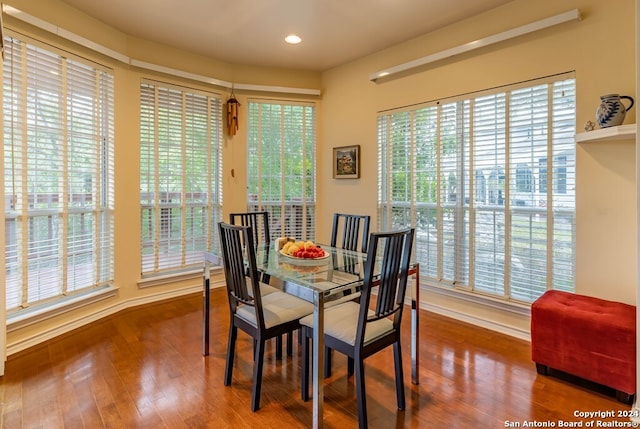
{"points": [[127, 83], [600, 49]]}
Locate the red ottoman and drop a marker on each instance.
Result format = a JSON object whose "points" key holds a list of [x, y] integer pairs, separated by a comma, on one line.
{"points": [[591, 338]]}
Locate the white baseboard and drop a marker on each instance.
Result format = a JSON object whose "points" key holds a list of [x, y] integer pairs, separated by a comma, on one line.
{"points": [[477, 321], [57, 330]]}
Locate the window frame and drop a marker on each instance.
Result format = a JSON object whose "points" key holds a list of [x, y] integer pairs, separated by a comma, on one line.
{"points": [[446, 217], [84, 132], [198, 210], [295, 195]]}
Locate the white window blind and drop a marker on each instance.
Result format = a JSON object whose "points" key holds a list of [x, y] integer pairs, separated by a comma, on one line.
{"points": [[281, 166], [489, 183], [180, 176], [58, 154]]}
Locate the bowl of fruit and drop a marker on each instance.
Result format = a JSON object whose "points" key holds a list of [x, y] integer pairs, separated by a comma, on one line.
{"points": [[302, 252]]}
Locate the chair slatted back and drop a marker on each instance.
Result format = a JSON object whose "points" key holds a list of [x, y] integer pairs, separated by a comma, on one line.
{"points": [[391, 251], [350, 227], [259, 223], [232, 239]]}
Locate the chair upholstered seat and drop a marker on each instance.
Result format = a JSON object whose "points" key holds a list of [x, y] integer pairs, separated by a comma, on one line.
{"points": [[277, 308], [341, 322], [265, 289]]}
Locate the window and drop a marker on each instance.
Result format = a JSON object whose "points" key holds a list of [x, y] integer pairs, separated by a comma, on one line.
{"points": [[542, 168], [524, 179], [281, 166], [180, 176], [560, 168], [471, 176], [58, 154]]}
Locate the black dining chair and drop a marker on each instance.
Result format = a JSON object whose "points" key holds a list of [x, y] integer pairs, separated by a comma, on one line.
{"points": [[350, 231], [361, 329], [261, 316], [259, 223]]}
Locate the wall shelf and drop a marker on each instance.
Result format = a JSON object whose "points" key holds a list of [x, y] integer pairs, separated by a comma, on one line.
{"points": [[621, 132]]}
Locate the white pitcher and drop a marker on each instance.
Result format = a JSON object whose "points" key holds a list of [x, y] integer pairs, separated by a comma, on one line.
{"points": [[612, 111]]}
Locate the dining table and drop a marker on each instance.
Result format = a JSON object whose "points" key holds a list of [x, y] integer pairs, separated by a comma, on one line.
{"points": [[322, 281]]}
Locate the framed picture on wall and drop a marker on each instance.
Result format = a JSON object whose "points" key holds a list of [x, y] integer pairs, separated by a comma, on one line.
{"points": [[346, 162]]}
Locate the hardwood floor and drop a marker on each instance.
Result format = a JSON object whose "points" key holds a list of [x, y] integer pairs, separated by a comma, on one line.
{"points": [[143, 368]]}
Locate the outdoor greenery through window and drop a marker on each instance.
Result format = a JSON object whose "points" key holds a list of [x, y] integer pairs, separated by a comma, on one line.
{"points": [[180, 176], [488, 180], [58, 172], [281, 166]]}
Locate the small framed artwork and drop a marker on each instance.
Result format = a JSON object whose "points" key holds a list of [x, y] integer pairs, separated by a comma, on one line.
{"points": [[346, 162]]}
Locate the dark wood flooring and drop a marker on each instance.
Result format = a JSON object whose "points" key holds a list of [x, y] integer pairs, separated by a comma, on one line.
{"points": [[143, 368]]}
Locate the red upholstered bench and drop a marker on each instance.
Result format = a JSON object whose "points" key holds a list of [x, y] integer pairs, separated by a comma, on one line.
{"points": [[588, 337]]}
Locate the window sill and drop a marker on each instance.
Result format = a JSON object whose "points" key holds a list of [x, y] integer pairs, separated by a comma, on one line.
{"points": [[163, 279], [486, 307], [38, 313], [484, 300], [621, 132]]}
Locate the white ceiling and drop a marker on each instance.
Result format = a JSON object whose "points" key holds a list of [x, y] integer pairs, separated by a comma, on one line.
{"points": [[252, 32]]}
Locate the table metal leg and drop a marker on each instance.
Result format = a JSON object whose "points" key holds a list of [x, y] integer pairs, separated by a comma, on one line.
{"points": [[206, 308], [318, 360], [415, 325]]}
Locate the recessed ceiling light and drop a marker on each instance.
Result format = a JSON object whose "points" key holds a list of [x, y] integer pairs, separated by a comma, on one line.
{"points": [[293, 39]]}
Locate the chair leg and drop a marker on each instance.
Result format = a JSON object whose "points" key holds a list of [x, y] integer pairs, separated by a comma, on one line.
{"points": [[397, 357], [328, 353], [361, 394], [289, 344], [304, 379], [257, 375], [349, 366], [231, 349], [279, 347]]}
